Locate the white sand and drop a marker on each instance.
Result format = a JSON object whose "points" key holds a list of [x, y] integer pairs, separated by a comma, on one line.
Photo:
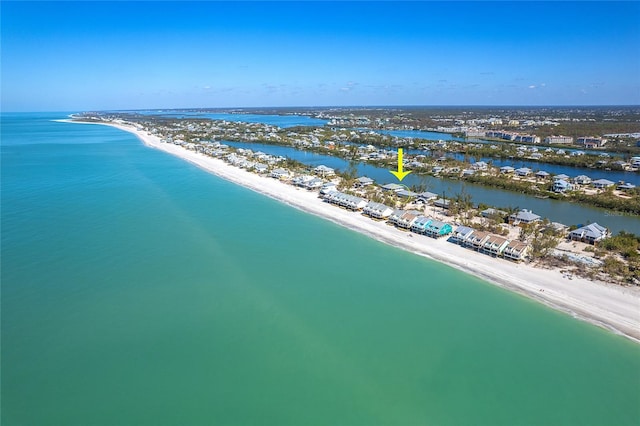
{"points": [[610, 306]]}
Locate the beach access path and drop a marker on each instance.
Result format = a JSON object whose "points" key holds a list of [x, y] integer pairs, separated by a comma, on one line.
{"points": [[611, 306]]}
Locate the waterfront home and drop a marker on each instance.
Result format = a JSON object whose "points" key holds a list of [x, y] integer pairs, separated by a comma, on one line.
{"points": [[494, 245], [392, 187], [523, 216], [506, 169], [437, 169], [328, 188], [561, 177], [407, 219], [602, 183], [591, 233], [582, 180], [364, 181], [282, 174], [493, 212], [437, 229], [324, 171], [462, 234], [625, 187], [516, 250], [260, 168], [405, 193], [477, 239], [468, 172], [480, 165], [441, 202], [561, 186], [426, 196], [420, 224], [621, 165], [523, 171], [542, 174], [314, 183], [302, 180], [377, 210]]}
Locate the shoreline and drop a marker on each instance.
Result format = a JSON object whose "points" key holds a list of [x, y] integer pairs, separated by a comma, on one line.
{"points": [[608, 306]]}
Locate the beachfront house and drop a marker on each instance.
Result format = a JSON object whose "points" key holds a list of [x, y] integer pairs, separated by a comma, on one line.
{"points": [[281, 174], [437, 229], [462, 234], [477, 239], [327, 188], [302, 180], [260, 168], [591, 233], [407, 219], [395, 216], [542, 174], [377, 210], [495, 245], [506, 169], [345, 200], [516, 250], [561, 177], [313, 184], [523, 216], [602, 183], [420, 224]]}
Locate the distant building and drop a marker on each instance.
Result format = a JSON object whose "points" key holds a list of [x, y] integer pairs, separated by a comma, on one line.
{"points": [[602, 183], [582, 180], [563, 140], [591, 142]]}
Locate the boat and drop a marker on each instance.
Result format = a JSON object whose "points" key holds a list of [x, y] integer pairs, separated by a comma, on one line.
{"points": [[542, 197]]}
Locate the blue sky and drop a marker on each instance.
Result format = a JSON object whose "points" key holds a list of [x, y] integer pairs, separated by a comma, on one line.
{"points": [[124, 55]]}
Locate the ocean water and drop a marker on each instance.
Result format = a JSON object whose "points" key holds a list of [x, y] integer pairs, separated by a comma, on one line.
{"points": [[138, 289]]}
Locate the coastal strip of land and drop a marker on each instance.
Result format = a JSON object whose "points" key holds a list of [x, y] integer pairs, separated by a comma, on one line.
{"points": [[610, 306]]}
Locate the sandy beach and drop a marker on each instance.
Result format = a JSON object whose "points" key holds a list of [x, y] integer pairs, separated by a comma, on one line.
{"points": [[612, 307]]}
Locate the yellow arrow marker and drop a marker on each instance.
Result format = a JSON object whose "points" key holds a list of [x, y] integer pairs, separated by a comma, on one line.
{"points": [[399, 174]]}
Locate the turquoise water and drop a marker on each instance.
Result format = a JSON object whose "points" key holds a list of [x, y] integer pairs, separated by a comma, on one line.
{"points": [[140, 290]]}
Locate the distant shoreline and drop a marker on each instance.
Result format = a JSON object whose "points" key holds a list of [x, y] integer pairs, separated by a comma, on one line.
{"points": [[611, 307]]}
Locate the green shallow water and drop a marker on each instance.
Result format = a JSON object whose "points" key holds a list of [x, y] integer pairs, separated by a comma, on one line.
{"points": [[140, 290]]}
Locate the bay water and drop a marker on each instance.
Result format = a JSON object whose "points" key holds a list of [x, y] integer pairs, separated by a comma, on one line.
{"points": [[138, 289]]}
